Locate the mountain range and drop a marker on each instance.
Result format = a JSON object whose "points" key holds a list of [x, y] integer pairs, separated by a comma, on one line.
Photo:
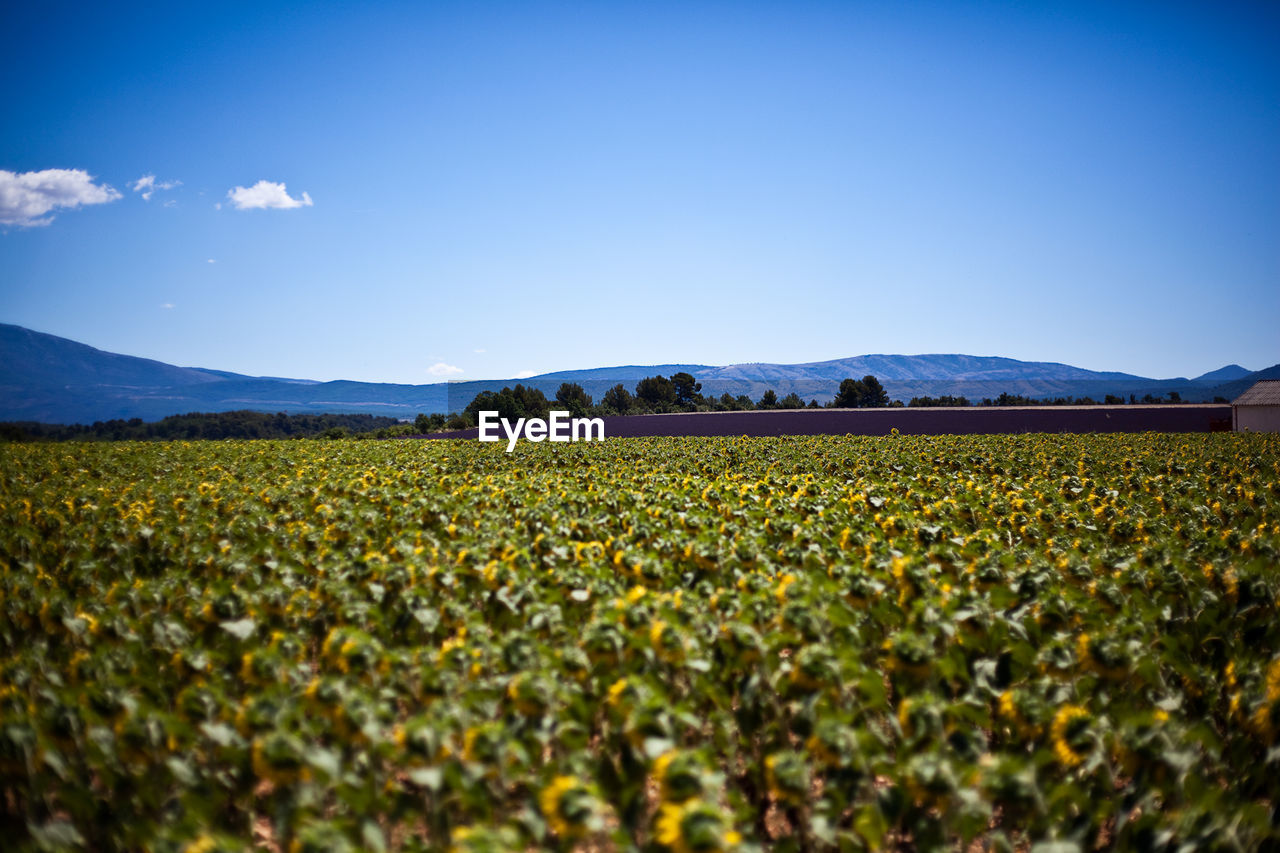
{"points": [[55, 380]]}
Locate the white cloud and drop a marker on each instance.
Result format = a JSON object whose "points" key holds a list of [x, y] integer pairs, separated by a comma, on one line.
{"points": [[147, 185], [211, 261], [442, 369], [25, 197], [167, 305], [478, 350], [265, 195], [525, 374]]}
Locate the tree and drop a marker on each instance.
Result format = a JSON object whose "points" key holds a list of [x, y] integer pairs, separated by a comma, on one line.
{"points": [[658, 392], [618, 399], [850, 394], [873, 395], [792, 401], [429, 423], [864, 393], [944, 400], [768, 400], [571, 396], [510, 403], [686, 388], [533, 403]]}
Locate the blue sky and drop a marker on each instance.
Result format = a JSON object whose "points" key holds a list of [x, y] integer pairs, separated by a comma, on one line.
{"points": [[506, 187]]}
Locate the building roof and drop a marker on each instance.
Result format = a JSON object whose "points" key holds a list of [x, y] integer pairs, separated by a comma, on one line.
{"points": [[1265, 392]]}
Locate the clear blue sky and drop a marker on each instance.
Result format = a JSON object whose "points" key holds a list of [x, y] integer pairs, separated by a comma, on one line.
{"points": [[514, 187]]}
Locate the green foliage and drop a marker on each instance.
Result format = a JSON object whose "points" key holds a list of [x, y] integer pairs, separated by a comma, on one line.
{"points": [[429, 423], [792, 401], [864, 393], [687, 389], [200, 425], [618, 399], [1006, 399], [805, 643], [656, 392], [946, 400], [510, 403], [571, 397]]}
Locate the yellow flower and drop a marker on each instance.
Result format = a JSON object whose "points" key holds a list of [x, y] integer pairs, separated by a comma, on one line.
{"points": [[784, 582], [615, 692], [1065, 729], [566, 805], [693, 826], [203, 844], [1273, 681]]}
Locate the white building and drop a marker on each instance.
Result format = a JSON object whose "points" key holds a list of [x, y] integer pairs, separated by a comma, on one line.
{"points": [[1258, 409]]}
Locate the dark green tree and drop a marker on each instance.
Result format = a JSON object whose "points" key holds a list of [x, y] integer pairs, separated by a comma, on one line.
{"points": [[429, 423], [687, 389], [510, 403], [657, 392], [850, 394], [571, 396], [792, 401], [618, 399], [533, 403], [873, 395], [768, 400]]}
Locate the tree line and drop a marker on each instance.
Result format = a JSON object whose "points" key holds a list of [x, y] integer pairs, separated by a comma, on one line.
{"points": [[203, 425], [680, 392]]}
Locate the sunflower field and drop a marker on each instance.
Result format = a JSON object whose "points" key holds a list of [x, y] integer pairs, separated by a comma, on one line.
{"points": [[1044, 643]]}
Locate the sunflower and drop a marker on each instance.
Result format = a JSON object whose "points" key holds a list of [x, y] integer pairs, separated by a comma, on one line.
{"points": [[678, 775], [569, 807], [788, 777], [1069, 732], [694, 827]]}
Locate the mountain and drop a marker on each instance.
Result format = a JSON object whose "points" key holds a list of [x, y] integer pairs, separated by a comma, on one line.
{"points": [[1224, 374], [54, 380]]}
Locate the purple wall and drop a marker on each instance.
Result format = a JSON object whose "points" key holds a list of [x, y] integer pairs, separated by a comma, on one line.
{"points": [[974, 420]]}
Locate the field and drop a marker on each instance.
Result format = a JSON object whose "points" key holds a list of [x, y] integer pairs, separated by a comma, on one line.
{"points": [[1016, 642]]}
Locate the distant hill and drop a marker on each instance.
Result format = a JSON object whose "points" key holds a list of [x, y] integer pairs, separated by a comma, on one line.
{"points": [[49, 379], [1224, 374]]}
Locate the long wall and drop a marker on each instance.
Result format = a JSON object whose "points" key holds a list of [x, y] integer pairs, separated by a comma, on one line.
{"points": [[974, 420]]}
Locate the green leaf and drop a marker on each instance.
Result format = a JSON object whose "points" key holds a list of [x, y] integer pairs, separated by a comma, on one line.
{"points": [[241, 628], [181, 771], [56, 835], [656, 746], [371, 835], [430, 778], [324, 760], [870, 824], [1055, 847], [219, 733]]}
